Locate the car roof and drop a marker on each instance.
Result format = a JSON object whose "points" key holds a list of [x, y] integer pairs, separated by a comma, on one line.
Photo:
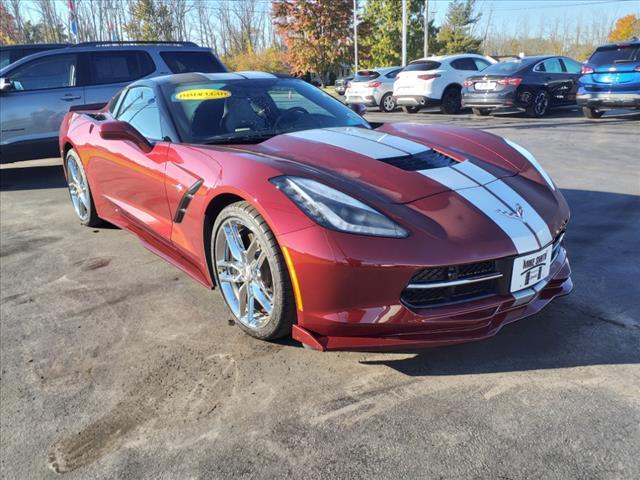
{"points": [[440, 58], [49, 46], [110, 47], [622, 43], [382, 70]]}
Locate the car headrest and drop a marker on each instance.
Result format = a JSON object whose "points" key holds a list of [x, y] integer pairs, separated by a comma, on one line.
{"points": [[207, 119], [239, 114]]}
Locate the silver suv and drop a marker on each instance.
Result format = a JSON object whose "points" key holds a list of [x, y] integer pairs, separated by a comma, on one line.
{"points": [[37, 91]]}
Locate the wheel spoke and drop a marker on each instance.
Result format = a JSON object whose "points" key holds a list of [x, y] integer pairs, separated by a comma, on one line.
{"points": [[252, 249], [257, 263], [243, 299], [234, 241], [260, 294]]}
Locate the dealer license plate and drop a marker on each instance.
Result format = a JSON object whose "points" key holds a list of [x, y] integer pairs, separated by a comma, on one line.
{"points": [[530, 269], [485, 85]]}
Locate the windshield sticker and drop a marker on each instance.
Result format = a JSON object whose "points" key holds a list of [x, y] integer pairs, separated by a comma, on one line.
{"points": [[202, 94]]}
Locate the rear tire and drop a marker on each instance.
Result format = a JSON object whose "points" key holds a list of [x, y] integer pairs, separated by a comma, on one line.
{"points": [[592, 113], [481, 112], [410, 109], [539, 105], [250, 272], [387, 103], [451, 102], [80, 191]]}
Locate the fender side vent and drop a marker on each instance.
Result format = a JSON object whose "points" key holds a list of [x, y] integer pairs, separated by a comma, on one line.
{"points": [[421, 161], [186, 200]]}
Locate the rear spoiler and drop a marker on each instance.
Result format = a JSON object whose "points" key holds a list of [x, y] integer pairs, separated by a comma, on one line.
{"points": [[92, 107]]}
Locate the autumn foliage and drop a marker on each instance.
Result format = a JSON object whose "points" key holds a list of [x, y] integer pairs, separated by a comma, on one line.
{"points": [[626, 27], [317, 33]]}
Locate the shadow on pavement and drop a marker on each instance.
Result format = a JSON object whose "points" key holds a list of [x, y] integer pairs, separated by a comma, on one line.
{"points": [[598, 324], [32, 178]]}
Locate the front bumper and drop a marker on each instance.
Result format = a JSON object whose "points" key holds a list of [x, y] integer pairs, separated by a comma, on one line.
{"points": [[608, 99], [350, 305]]}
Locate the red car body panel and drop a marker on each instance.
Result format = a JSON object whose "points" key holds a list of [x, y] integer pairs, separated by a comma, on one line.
{"points": [[350, 285]]}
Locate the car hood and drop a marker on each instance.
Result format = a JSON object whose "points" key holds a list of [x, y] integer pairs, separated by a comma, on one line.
{"points": [[403, 162]]}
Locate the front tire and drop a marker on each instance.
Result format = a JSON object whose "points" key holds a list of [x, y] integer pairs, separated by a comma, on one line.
{"points": [[592, 113], [451, 102], [539, 105], [387, 104], [251, 273], [80, 191]]}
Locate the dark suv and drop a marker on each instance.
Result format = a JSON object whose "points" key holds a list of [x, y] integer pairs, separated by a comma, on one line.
{"points": [[37, 91]]}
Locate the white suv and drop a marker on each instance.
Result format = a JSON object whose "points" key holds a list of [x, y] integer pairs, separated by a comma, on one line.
{"points": [[373, 88], [435, 81]]}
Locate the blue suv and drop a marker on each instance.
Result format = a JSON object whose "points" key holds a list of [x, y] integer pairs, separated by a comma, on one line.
{"points": [[610, 79]]}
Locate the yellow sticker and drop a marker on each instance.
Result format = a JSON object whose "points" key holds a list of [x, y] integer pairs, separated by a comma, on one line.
{"points": [[202, 94]]}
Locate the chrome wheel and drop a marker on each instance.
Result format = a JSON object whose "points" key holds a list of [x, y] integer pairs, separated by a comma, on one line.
{"points": [[78, 188], [388, 104], [244, 273]]}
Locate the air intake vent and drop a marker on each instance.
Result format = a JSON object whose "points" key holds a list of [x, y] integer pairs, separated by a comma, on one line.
{"points": [[420, 161]]}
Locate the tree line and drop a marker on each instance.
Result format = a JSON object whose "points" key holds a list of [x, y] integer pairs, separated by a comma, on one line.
{"points": [[304, 36]]}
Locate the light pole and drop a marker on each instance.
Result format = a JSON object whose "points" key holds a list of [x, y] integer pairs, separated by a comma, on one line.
{"points": [[404, 32], [426, 28], [355, 33]]}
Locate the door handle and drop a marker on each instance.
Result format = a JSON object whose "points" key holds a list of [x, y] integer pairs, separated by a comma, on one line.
{"points": [[68, 98]]}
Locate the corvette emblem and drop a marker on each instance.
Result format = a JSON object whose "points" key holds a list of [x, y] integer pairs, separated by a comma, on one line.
{"points": [[517, 214]]}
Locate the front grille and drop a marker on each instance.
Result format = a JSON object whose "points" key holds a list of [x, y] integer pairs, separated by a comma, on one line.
{"points": [[423, 297]]}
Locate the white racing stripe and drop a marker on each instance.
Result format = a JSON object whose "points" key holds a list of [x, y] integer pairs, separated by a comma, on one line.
{"points": [[352, 143], [408, 146], [481, 198]]}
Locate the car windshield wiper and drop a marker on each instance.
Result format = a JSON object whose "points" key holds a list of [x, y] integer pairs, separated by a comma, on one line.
{"points": [[255, 137]]}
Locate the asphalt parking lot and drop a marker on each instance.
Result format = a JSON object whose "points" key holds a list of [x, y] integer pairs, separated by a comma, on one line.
{"points": [[114, 364]]}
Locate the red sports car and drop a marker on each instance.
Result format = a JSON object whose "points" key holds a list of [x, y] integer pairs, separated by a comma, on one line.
{"points": [[312, 221]]}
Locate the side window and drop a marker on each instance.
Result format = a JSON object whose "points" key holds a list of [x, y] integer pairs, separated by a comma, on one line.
{"points": [[139, 109], [571, 65], [53, 71], [393, 73], [181, 62], [552, 65], [118, 67], [464, 64], [480, 63]]}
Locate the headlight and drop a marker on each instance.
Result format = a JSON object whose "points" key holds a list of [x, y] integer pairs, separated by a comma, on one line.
{"points": [[532, 160], [336, 210]]}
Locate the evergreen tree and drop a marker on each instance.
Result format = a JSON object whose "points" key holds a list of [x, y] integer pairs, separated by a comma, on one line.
{"points": [[150, 20], [455, 35]]}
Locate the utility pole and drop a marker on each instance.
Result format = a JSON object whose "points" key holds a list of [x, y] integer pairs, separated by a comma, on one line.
{"points": [[355, 33], [426, 28], [404, 32]]}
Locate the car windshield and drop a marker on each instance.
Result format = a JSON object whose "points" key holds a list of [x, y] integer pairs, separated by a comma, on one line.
{"points": [[615, 54], [504, 68], [252, 110]]}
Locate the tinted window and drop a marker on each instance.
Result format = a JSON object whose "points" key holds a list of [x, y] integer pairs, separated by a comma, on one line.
{"points": [[552, 65], [117, 67], [53, 71], [615, 54], [480, 63], [464, 64], [504, 68], [571, 65], [220, 111], [421, 66], [365, 75], [393, 73], [140, 110], [5, 58], [181, 62]]}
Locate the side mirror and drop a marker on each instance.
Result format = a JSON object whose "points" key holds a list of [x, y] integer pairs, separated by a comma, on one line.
{"points": [[5, 85], [358, 108], [116, 130]]}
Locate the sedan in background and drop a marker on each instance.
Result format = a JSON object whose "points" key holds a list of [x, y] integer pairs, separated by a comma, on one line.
{"points": [[341, 84], [312, 222], [373, 88], [436, 81], [529, 84], [610, 79]]}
